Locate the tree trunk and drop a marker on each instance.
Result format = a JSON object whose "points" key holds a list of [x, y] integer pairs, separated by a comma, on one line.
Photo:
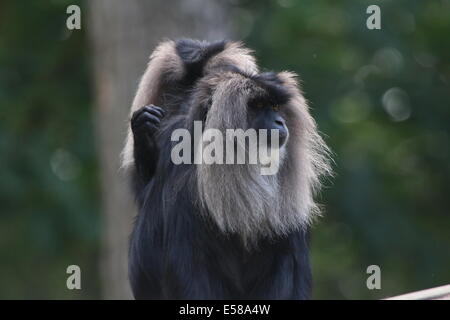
{"points": [[122, 35]]}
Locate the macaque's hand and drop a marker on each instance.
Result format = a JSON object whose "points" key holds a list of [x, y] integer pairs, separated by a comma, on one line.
{"points": [[145, 122]]}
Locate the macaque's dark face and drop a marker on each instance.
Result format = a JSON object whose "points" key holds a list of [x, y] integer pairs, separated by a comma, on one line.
{"points": [[266, 114]]}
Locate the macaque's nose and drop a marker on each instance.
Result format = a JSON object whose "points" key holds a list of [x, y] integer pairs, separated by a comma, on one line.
{"points": [[280, 125]]}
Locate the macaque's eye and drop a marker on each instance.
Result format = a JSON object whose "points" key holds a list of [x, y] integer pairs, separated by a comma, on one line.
{"points": [[276, 108], [259, 105]]}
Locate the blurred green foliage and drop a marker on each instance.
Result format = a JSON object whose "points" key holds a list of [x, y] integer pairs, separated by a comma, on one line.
{"points": [[48, 175], [381, 98]]}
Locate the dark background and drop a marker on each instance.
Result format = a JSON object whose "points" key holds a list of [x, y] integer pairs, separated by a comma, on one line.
{"points": [[381, 99]]}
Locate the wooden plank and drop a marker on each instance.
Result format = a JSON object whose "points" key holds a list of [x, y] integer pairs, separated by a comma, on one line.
{"points": [[438, 293]]}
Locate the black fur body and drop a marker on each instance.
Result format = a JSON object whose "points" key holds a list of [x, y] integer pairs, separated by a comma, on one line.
{"points": [[177, 253]]}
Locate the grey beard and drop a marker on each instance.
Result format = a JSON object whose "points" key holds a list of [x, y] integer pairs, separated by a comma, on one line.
{"points": [[242, 201]]}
